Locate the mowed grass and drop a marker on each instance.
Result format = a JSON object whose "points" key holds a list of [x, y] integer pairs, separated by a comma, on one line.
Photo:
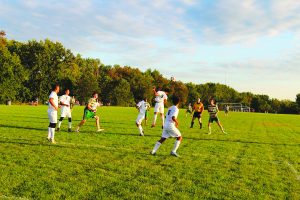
{"points": [[258, 159]]}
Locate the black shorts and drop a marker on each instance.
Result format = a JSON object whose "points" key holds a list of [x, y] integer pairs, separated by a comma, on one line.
{"points": [[197, 115], [212, 119]]}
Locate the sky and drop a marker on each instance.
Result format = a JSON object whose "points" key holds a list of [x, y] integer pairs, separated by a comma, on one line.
{"points": [[250, 45]]}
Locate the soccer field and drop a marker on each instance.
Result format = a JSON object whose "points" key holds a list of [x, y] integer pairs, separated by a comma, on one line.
{"points": [[258, 159]]}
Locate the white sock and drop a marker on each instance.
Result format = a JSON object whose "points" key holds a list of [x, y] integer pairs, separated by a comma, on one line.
{"points": [[156, 147], [141, 129], [209, 129], [163, 119], [70, 124], [49, 132], [52, 133], [176, 145], [154, 119], [59, 123]]}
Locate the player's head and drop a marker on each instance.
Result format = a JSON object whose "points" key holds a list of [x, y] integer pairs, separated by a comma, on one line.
{"points": [[55, 88], [167, 90], [212, 101], [175, 100], [95, 95], [67, 91], [198, 100]]}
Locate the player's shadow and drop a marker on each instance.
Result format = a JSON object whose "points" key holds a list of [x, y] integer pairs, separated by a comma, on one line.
{"points": [[241, 141], [34, 117], [22, 127], [130, 134]]}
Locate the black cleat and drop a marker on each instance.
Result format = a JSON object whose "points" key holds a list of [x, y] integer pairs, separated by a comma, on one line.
{"points": [[69, 130], [58, 129], [174, 154], [153, 154]]}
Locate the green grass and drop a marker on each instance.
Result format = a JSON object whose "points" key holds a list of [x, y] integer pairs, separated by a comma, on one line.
{"points": [[258, 159]]}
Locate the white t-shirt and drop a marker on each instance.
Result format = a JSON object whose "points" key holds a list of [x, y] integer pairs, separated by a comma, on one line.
{"points": [[55, 101], [142, 106], [161, 96], [65, 99], [172, 112]]}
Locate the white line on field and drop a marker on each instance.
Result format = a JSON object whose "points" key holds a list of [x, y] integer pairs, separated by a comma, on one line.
{"points": [[293, 170]]}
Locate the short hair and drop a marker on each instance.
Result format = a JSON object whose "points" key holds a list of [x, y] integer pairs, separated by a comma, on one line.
{"points": [[94, 93], [167, 90], [175, 100], [54, 86], [67, 89]]}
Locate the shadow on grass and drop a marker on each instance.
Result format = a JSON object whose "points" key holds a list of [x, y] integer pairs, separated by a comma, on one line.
{"points": [[22, 127], [242, 141]]}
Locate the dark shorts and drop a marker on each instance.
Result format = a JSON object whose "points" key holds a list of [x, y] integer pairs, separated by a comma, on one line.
{"points": [[188, 111], [197, 115], [212, 119], [88, 114]]}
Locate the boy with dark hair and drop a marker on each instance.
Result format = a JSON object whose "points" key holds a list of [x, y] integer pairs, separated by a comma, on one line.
{"points": [[213, 111], [90, 112], [160, 99], [52, 112], [170, 129], [65, 102], [198, 109]]}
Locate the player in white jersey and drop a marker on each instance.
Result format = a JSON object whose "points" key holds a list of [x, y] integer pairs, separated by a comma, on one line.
{"points": [[65, 102], [142, 106], [160, 99], [170, 129], [52, 113]]}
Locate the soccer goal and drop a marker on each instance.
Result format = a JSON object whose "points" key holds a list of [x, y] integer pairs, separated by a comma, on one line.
{"points": [[234, 107]]}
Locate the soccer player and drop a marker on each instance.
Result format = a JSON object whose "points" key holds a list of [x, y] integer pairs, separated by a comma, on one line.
{"points": [[146, 112], [226, 110], [170, 129], [90, 112], [213, 111], [142, 106], [198, 109], [65, 102], [52, 113], [189, 110], [160, 99]]}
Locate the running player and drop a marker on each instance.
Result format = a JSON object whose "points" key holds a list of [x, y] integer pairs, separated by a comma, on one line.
{"points": [[213, 111], [52, 113], [198, 109], [142, 106], [90, 112], [160, 99], [170, 129], [65, 102]]}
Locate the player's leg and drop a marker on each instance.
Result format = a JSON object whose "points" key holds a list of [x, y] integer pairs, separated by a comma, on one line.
{"points": [[209, 126], [157, 145], [80, 125], [138, 123], [221, 127], [59, 123], [69, 121], [192, 122], [175, 133], [200, 121], [98, 123], [163, 119], [52, 125], [156, 109]]}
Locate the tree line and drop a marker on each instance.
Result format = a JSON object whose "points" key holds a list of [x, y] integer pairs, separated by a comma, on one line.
{"points": [[28, 69]]}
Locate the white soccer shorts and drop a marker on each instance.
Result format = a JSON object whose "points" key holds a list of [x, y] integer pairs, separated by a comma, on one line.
{"points": [[65, 112], [171, 131], [52, 115], [140, 118], [159, 108]]}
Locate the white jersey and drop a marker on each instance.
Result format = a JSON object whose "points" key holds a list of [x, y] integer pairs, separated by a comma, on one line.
{"points": [[53, 95], [161, 96], [65, 99], [172, 112], [142, 106]]}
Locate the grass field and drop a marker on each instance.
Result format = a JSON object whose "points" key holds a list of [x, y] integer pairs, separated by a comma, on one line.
{"points": [[258, 159]]}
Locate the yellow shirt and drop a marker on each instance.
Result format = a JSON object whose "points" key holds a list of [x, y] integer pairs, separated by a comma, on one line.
{"points": [[198, 107]]}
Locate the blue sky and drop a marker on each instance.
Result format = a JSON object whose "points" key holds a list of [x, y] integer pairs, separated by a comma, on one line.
{"points": [[250, 45]]}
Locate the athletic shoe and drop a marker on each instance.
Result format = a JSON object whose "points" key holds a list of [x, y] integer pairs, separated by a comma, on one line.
{"points": [[153, 154], [53, 141], [99, 130], [69, 130], [162, 127], [174, 154], [77, 131], [153, 125], [49, 139], [141, 134], [224, 132], [57, 129], [209, 133]]}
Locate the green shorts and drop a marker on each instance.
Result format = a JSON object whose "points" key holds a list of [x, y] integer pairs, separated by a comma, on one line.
{"points": [[88, 114], [212, 119]]}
